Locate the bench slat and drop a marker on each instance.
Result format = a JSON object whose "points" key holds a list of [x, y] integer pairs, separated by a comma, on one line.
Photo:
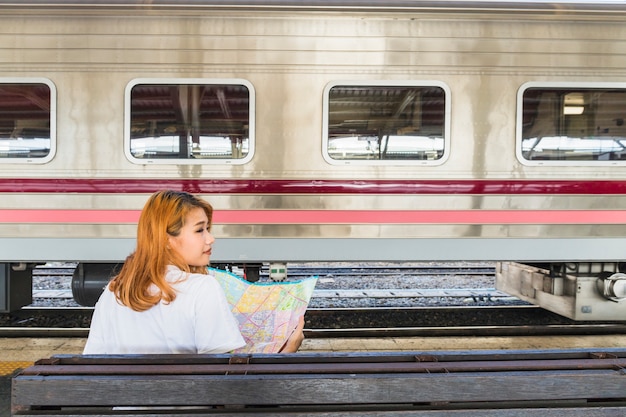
{"points": [[341, 357], [315, 389], [325, 368], [515, 412]]}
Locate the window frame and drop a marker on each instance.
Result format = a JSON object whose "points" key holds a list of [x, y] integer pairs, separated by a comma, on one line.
{"points": [[556, 85], [387, 83], [53, 120], [190, 81]]}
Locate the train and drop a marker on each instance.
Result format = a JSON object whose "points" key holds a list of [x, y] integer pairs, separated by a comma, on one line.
{"points": [[322, 131]]}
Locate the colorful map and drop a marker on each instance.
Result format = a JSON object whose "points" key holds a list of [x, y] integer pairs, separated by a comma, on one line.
{"points": [[267, 312]]}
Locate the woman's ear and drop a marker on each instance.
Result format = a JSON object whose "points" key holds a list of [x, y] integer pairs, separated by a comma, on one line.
{"points": [[171, 242]]}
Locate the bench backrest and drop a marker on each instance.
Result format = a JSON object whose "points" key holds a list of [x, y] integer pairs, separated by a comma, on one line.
{"points": [[323, 383]]}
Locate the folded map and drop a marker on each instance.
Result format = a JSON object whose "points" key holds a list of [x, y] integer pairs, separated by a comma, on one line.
{"points": [[267, 312]]}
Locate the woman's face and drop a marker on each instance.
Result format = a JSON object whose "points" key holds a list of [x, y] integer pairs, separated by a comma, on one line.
{"points": [[194, 242]]}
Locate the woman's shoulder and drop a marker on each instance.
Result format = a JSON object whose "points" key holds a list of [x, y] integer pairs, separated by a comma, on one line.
{"points": [[189, 279]]}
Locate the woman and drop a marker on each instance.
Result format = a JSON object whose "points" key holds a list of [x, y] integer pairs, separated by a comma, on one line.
{"points": [[163, 301]]}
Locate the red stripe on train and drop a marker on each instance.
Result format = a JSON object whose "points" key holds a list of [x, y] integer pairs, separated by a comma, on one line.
{"points": [[227, 186], [335, 216]]}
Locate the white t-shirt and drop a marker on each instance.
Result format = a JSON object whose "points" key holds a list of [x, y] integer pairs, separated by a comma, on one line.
{"points": [[199, 320]]}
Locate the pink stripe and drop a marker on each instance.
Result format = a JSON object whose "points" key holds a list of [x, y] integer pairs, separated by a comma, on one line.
{"points": [[69, 216], [335, 216], [421, 217]]}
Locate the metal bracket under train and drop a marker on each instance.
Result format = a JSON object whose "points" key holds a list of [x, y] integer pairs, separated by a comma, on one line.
{"points": [[579, 291]]}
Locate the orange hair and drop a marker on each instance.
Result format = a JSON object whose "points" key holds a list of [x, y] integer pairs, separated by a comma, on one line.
{"points": [[163, 215]]}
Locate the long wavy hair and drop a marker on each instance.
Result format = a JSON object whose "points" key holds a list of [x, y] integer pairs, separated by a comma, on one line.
{"points": [[163, 215]]}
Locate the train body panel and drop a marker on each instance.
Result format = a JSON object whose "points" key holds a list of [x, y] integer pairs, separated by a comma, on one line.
{"points": [[382, 131]]}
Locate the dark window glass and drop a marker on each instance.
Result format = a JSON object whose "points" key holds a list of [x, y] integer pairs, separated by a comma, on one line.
{"points": [[386, 123], [189, 121], [25, 119], [573, 124]]}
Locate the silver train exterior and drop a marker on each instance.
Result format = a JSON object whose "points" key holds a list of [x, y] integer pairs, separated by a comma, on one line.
{"points": [[320, 131]]}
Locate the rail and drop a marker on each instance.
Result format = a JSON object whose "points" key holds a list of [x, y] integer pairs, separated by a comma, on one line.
{"points": [[466, 384], [455, 321]]}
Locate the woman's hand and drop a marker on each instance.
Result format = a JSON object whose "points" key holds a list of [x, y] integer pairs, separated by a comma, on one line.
{"points": [[295, 340]]}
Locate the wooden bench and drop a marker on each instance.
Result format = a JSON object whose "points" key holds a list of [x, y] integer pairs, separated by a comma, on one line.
{"points": [[423, 384]]}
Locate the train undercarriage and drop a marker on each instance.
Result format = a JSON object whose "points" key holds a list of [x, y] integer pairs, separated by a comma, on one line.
{"points": [[581, 291]]}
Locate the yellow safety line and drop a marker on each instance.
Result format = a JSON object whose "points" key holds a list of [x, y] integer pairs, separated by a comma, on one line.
{"points": [[8, 368]]}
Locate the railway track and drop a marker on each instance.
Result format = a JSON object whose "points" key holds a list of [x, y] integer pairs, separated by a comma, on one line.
{"points": [[388, 270], [354, 322], [333, 269], [478, 311], [477, 294], [344, 284]]}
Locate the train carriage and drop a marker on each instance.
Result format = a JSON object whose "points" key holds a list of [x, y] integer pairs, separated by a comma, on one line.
{"points": [[322, 131]]}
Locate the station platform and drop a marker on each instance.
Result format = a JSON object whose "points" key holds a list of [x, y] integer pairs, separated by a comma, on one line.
{"points": [[18, 353]]}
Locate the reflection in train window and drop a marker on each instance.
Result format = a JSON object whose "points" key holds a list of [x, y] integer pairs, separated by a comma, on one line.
{"points": [[27, 120], [397, 123], [191, 120], [571, 123]]}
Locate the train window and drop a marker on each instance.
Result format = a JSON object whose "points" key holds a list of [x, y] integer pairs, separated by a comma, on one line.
{"points": [[27, 120], [189, 121], [390, 123], [571, 124]]}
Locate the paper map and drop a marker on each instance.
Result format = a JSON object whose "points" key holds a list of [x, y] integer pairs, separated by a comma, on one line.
{"points": [[267, 312]]}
